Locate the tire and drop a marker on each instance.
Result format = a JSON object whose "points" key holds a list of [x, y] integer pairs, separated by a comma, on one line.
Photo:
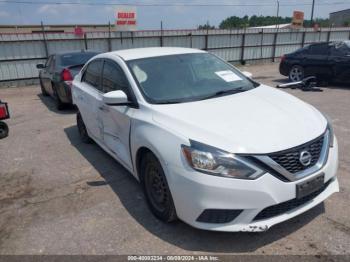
{"points": [[4, 130], [84, 136], [156, 189], [59, 104], [296, 73], [43, 91]]}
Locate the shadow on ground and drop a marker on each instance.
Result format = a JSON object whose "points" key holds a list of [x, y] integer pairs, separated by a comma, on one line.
{"points": [[50, 103], [179, 234]]}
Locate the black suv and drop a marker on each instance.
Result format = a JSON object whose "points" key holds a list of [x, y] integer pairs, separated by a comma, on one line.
{"points": [[326, 60]]}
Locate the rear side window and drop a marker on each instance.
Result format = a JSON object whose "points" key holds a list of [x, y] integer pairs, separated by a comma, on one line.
{"points": [[113, 78], [92, 74], [340, 49], [321, 49]]}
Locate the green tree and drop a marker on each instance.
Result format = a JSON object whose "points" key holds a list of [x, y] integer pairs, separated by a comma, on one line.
{"points": [[346, 23], [205, 27]]}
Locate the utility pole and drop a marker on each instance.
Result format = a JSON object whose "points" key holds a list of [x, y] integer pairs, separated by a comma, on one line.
{"points": [[278, 10], [312, 12]]}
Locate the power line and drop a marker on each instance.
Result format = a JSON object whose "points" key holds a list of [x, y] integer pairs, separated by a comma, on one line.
{"points": [[163, 4]]}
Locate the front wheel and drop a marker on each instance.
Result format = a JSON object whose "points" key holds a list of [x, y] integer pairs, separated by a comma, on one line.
{"points": [[156, 188], [296, 73], [4, 130]]}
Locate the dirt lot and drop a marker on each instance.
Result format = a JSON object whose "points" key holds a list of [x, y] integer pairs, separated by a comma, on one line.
{"points": [[59, 196]]}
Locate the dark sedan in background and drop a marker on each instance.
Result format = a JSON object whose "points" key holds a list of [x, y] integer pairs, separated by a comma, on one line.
{"points": [[57, 74], [327, 61]]}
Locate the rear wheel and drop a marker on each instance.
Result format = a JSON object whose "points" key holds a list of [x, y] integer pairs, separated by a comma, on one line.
{"points": [[156, 188], [59, 104], [84, 136], [4, 130], [43, 91], [296, 73]]}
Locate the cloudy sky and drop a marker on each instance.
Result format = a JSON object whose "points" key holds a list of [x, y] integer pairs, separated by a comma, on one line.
{"points": [[175, 14]]}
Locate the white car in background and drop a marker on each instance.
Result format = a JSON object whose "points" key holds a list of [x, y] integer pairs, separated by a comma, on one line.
{"points": [[210, 146]]}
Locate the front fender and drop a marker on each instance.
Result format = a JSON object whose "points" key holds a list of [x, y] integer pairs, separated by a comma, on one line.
{"points": [[165, 145]]}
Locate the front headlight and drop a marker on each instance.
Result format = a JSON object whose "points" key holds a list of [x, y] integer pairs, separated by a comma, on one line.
{"points": [[330, 130], [213, 161]]}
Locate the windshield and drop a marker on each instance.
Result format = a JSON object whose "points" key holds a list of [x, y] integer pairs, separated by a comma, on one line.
{"points": [[187, 77], [76, 58]]}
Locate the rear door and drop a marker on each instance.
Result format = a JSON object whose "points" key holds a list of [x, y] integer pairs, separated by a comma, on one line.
{"points": [[88, 98], [116, 119], [316, 61]]}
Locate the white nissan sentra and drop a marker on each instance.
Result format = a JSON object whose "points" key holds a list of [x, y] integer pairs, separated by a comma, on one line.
{"points": [[209, 145]]}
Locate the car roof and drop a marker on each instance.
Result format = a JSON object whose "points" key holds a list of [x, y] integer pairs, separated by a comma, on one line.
{"points": [[138, 53]]}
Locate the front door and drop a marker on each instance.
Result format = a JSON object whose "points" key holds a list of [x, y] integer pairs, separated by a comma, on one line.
{"points": [[317, 63], [89, 99], [340, 60], [116, 119]]}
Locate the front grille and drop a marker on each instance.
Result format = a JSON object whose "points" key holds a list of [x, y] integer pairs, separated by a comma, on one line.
{"points": [[289, 159], [284, 207], [218, 215]]}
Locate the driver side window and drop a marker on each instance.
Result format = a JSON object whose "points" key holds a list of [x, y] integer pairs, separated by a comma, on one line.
{"points": [[113, 78]]}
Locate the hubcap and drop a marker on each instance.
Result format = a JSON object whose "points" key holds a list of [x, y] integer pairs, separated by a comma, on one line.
{"points": [[296, 74]]}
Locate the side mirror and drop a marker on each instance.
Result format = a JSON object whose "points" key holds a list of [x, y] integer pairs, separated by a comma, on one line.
{"points": [[247, 74], [115, 98], [40, 66]]}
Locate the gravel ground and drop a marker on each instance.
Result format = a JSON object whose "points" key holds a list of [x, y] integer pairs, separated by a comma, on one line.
{"points": [[59, 196]]}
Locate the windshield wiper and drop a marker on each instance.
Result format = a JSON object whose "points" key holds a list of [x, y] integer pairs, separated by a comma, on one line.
{"points": [[168, 102], [216, 94], [225, 92]]}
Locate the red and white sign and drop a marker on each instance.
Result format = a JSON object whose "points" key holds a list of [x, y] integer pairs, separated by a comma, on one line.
{"points": [[298, 19], [126, 19]]}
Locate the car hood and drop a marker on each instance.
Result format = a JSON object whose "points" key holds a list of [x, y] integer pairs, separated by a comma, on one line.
{"points": [[261, 120]]}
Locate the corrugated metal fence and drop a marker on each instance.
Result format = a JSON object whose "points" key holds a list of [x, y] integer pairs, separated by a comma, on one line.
{"points": [[19, 53]]}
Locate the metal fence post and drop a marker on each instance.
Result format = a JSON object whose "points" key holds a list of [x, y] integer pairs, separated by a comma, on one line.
{"points": [[274, 47], [44, 38], [242, 47], [329, 34], [261, 43], [303, 39], [206, 40], [161, 33], [85, 42], [109, 37]]}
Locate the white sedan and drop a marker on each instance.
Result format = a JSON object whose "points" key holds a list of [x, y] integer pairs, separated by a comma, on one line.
{"points": [[209, 145]]}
